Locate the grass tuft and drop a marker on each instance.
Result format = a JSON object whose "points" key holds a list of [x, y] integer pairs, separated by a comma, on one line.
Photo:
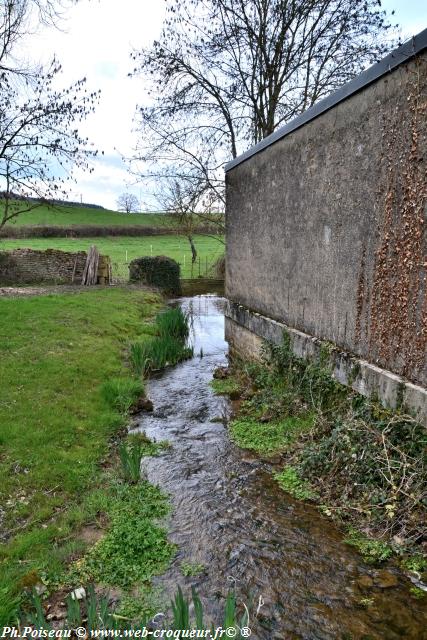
{"points": [[130, 457], [121, 393]]}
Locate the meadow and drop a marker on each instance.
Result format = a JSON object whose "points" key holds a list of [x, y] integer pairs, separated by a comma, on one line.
{"points": [[123, 249], [56, 424], [63, 216]]}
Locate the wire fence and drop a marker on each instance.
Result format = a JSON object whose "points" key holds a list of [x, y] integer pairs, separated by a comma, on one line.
{"points": [[203, 267]]}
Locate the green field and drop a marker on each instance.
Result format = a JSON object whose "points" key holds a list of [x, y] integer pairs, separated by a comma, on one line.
{"points": [[63, 216], [55, 424], [122, 250]]}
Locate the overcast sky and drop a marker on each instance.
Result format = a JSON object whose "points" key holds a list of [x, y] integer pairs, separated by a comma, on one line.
{"points": [[95, 42]]}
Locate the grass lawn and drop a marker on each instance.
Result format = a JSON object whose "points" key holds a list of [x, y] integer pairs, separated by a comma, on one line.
{"points": [[55, 423], [123, 249], [63, 216]]}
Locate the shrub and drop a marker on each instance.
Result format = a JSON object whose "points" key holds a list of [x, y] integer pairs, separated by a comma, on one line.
{"points": [[157, 271]]}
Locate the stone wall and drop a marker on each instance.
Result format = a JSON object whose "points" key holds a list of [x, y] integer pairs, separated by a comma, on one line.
{"points": [[27, 266], [326, 225]]}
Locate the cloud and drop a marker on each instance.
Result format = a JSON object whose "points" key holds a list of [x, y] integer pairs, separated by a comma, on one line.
{"points": [[95, 40]]}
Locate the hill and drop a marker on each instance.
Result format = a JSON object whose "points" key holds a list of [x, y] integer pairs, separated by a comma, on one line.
{"points": [[71, 215]]}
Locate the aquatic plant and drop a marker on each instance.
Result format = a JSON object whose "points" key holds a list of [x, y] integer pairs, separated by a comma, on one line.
{"points": [[366, 462], [373, 551], [158, 353], [174, 323], [168, 348], [130, 457]]}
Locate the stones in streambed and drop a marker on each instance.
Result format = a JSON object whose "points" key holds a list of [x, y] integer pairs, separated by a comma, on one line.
{"points": [[385, 579], [78, 594], [365, 582], [221, 373], [142, 404], [382, 579]]}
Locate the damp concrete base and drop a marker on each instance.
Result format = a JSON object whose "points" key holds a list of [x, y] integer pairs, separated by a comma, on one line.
{"points": [[246, 330]]}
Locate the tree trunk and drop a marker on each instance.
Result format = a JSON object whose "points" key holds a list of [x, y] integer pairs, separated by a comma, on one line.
{"points": [[193, 249]]}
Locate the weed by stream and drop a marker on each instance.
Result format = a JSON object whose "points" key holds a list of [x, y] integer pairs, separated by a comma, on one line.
{"points": [[167, 348], [366, 466]]}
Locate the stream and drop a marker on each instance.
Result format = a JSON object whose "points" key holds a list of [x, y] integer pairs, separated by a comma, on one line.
{"points": [[230, 516]]}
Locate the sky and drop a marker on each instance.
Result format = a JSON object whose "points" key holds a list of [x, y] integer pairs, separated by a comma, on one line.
{"points": [[95, 40]]}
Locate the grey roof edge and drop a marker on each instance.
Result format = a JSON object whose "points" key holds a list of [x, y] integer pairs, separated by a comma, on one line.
{"points": [[398, 56]]}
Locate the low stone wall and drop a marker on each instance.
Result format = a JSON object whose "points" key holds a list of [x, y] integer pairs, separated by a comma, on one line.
{"points": [[27, 266], [245, 331], [199, 286]]}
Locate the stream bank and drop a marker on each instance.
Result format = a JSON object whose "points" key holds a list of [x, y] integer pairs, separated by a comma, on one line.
{"points": [[236, 528]]}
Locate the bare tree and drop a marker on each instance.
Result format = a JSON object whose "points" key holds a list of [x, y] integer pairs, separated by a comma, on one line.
{"points": [[227, 73], [39, 138], [180, 203], [17, 20], [128, 202]]}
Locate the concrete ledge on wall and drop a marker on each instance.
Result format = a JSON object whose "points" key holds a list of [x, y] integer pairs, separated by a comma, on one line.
{"points": [[245, 331]]}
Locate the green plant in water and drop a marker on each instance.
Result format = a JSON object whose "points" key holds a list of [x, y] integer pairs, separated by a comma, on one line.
{"points": [[97, 613], [130, 457], [289, 481], [122, 393], [191, 569], [366, 602], [182, 620], [158, 353], [373, 551], [146, 446], [417, 593], [173, 323]]}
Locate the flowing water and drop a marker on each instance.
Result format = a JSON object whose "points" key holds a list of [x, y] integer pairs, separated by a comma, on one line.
{"points": [[230, 516]]}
